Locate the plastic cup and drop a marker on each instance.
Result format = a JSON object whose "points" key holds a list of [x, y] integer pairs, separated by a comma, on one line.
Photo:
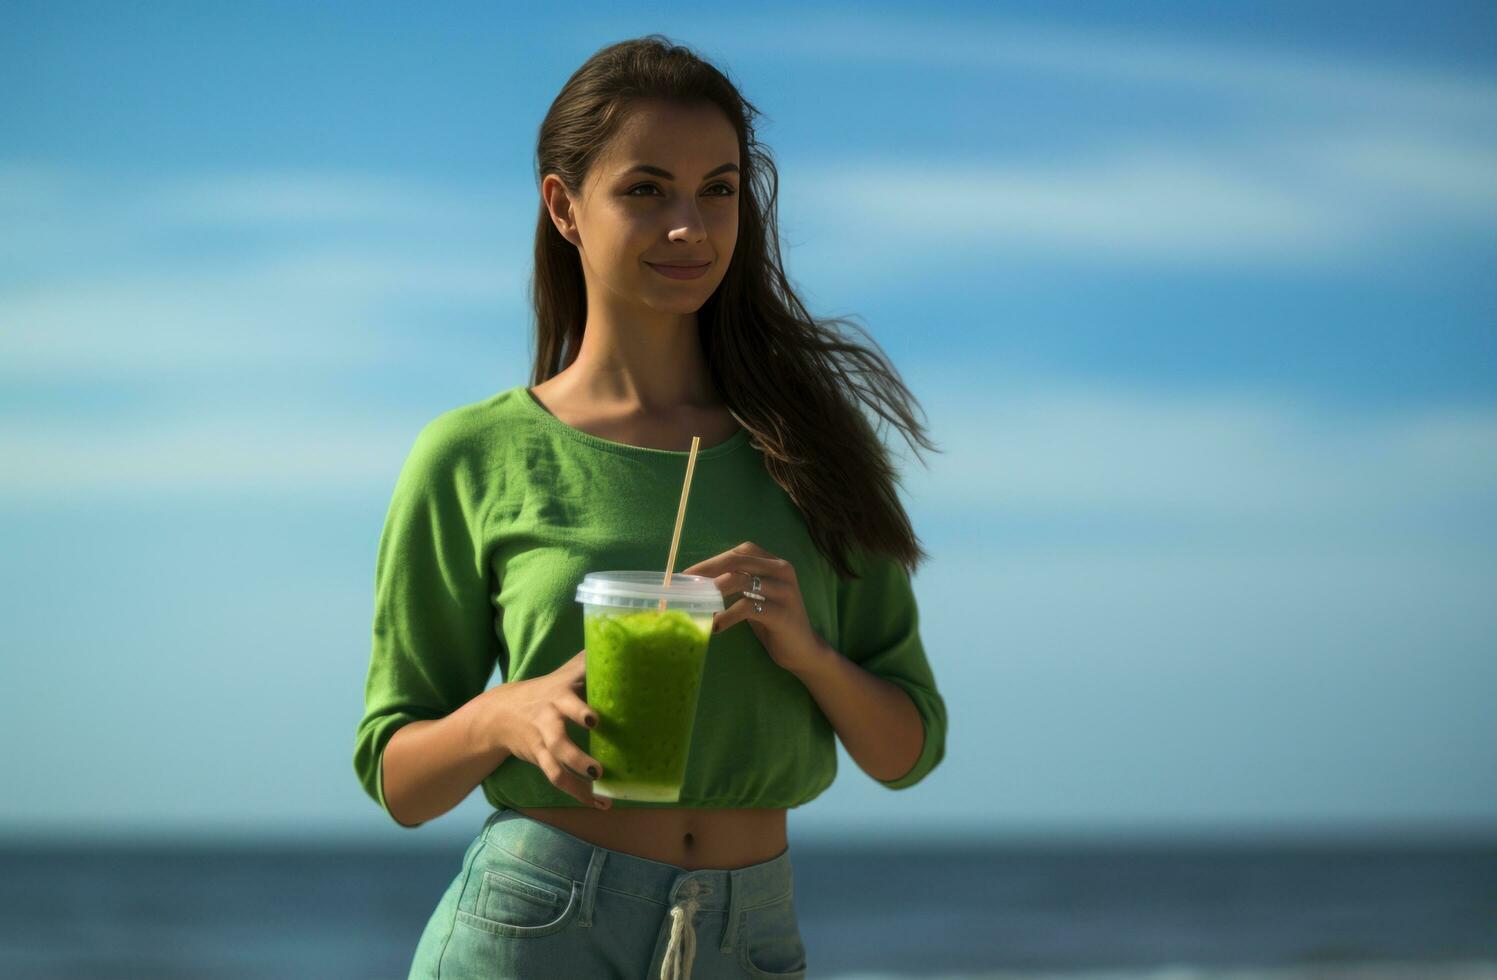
{"points": [[644, 672]]}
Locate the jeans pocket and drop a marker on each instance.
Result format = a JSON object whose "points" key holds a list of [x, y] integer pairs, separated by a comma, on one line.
{"points": [[770, 941], [509, 897]]}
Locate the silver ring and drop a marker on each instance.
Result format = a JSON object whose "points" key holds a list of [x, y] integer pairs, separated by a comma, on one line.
{"points": [[758, 607], [759, 600], [755, 586]]}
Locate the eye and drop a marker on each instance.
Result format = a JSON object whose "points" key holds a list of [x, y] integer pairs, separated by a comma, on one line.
{"points": [[730, 191]]}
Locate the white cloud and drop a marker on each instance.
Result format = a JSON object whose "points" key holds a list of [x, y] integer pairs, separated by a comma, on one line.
{"points": [[155, 277], [317, 307], [80, 197], [1356, 156], [1152, 204], [1227, 462], [1286, 198], [1453, 176], [258, 198], [281, 449], [1306, 80], [150, 323]]}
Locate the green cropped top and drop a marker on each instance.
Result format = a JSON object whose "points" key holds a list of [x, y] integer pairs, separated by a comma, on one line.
{"points": [[498, 512]]}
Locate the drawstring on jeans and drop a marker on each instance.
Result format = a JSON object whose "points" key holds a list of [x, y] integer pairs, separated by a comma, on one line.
{"points": [[682, 948]]}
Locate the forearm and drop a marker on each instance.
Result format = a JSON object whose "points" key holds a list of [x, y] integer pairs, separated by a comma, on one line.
{"points": [[431, 766], [877, 722]]}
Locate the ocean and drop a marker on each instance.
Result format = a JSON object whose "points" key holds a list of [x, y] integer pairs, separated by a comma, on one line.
{"points": [[1002, 913]]}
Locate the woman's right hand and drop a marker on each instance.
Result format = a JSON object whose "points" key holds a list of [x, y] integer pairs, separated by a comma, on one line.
{"points": [[529, 717]]}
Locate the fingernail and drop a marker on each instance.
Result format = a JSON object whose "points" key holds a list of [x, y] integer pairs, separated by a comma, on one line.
{"points": [[592, 771], [600, 804]]}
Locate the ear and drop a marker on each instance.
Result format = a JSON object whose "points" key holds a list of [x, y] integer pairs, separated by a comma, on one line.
{"points": [[559, 204]]}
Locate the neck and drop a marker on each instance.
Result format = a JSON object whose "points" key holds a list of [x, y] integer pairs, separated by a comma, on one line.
{"points": [[650, 367]]}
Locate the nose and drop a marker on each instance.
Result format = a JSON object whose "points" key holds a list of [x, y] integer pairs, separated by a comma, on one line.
{"points": [[689, 226]]}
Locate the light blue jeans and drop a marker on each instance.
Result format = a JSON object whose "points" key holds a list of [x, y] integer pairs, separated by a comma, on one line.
{"points": [[535, 902]]}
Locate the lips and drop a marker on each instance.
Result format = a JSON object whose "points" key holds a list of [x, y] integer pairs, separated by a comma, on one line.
{"points": [[682, 265], [680, 271]]}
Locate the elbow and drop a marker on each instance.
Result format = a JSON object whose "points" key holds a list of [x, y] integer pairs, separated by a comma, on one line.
{"points": [[931, 711], [384, 799], [408, 826]]}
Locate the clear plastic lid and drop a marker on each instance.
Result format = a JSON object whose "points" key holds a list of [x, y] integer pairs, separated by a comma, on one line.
{"points": [[644, 590]]}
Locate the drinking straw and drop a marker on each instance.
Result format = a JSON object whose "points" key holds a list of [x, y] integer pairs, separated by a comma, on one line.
{"points": [[670, 563]]}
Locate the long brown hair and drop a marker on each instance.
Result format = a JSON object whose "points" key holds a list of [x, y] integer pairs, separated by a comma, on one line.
{"points": [[793, 381]]}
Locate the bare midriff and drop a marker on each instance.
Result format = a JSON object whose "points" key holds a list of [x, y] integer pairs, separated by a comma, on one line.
{"points": [[688, 838]]}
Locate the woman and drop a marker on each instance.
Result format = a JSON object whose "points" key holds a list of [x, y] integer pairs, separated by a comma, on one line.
{"points": [[663, 313]]}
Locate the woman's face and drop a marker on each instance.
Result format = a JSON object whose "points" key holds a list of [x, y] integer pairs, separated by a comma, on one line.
{"points": [[629, 217]]}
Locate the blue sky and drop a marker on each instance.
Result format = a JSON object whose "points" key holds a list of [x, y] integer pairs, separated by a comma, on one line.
{"points": [[1192, 297]]}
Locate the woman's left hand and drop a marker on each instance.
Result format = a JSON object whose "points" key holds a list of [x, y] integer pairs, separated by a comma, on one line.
{"points": [[783, 627]]}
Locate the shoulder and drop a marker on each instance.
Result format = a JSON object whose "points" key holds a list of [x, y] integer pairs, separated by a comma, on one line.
{"points": [[874, 572], [467, 439], [474, 427]]}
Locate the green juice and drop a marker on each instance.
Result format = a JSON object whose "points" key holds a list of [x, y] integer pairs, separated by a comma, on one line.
{"points": [[644, 671]]}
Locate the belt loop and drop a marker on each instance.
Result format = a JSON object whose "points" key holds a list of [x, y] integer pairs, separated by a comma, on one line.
{"points": [[590, 886], [730, 930]]}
